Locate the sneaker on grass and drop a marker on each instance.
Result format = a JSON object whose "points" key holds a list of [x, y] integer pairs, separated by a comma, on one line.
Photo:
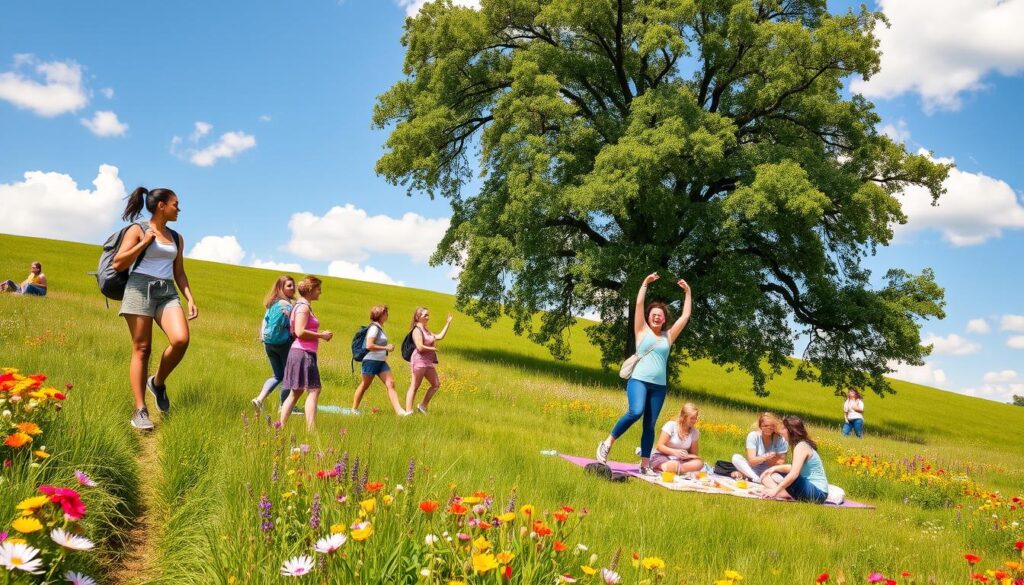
{"points": [[422, 409], [603, 448], [649, 472], [163, 403], [141, 420]]}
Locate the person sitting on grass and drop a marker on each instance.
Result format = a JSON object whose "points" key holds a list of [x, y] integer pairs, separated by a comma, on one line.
{"points": [[678, 445], [34, 285], [765, 447], [805, 478]]}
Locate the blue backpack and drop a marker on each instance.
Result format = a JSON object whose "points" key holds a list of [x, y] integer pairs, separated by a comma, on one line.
{"points": [[276, 324], [359, 350]]}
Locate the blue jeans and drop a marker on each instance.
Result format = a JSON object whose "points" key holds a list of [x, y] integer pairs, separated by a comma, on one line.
{"points": [[804, 491], [645, 400], [278, 355], [856, 425], [31, 289]]}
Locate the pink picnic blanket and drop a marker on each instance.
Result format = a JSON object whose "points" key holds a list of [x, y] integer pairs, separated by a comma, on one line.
{"points": [[713, 484]]}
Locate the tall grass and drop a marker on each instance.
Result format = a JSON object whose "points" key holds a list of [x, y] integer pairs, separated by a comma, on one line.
{"points": [[485, 431]]}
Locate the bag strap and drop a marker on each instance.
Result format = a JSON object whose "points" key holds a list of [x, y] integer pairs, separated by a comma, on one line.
{"points": [[143, 227]]}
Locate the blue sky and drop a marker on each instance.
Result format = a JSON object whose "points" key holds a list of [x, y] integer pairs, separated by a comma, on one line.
{"points": [[258, 115]]}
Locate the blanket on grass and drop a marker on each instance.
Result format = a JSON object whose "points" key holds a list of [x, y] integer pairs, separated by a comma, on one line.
{"points": [[712, 484]]}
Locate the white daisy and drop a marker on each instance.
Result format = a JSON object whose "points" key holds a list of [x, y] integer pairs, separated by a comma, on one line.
{"points": [[331, 543], [610, 577], [297, 566], [431, 539], [72, 541], [78, 578], [20, 556]]}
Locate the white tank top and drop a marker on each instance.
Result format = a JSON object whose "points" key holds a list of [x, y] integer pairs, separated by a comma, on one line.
{"points": [[159, 260]]}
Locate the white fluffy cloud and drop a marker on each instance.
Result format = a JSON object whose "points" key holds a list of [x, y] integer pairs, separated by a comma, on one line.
{"points": [[349, 233], [943, 48], [952, 344], [224, 249], [229, 145], [105, 124], [1015, 342], [1012, 323], [978, 326], [898, 131], [51, 205], [200, 129], [974, 208], [351, 270], [1002, 376], [108, 92], [412, 7], [927, 375], [47, 88], [997, 392], [271, 265]]}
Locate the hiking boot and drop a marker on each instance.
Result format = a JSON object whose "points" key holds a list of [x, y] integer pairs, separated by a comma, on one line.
{"points": [[141, 420], [603, 448], [163, 403]]}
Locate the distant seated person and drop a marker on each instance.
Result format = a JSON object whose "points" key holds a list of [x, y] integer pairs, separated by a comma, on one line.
{"points": [[677, 447], [35, 284], [765, 447]]}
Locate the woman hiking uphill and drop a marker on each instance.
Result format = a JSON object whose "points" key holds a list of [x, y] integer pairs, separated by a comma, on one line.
{"points": [[647, 385], [150, 295]]}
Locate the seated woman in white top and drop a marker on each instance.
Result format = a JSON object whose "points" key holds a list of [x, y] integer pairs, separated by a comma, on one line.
{"points": [[765, 447], [678, 444]]}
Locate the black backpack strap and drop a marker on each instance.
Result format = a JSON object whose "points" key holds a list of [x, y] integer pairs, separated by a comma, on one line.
{"points": [[143, 227]]}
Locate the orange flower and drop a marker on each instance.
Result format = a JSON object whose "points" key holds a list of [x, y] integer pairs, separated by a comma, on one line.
{"points": [[561, 516], [972, 559], [979, 578], [541, 528], [374, 486], [568, 509], [560, 546], [484, 525], [29, 428], [17, 440], [428, 506], [458, 509]]}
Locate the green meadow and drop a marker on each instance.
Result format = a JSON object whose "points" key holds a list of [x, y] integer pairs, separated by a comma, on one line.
{"points": [[180, 505]]}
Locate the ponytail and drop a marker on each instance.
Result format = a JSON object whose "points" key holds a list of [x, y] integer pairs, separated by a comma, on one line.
{"points": [[142, 196]]}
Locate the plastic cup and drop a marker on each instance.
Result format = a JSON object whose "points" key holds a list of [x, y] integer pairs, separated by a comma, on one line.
{"points": [[741, 484], [668, 476], [702, 474]]}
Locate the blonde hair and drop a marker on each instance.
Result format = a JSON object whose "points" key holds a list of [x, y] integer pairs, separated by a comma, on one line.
{"points": [[416, 316], [770, 416], [277, 291], [308, 284], [689, 409], [377, 311]]}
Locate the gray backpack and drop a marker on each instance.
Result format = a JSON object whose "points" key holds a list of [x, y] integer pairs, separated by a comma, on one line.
{"points": [[112, 282]]}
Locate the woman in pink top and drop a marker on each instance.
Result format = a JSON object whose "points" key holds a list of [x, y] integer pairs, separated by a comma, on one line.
{"points": [[301, 372], [424, 358]]}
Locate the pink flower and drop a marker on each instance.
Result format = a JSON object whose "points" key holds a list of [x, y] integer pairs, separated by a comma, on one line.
{"points": [[84, 479], [68, 499], [876, 578]]}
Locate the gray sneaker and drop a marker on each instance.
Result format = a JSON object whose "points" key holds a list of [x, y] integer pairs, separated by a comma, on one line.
{"points": [[163, 403], [141, 420], [603, 448], [649, 472]]}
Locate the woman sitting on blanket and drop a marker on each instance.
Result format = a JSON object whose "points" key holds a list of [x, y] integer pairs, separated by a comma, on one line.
{"points": [[805, 478], [677, 446], [765, 447]]}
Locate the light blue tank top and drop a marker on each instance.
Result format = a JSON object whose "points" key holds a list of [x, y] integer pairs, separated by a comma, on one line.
{"points": [[814, 472], [652, 367]]}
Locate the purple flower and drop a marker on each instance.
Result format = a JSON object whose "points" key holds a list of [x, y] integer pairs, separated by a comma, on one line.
{"points": [[314, 515], [304, 448], [411, 472], [274, 475], [84, 479], [277, 423], [3, 536], [266, 514]]}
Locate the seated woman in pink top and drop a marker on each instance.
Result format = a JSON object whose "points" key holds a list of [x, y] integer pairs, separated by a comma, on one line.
{"points": [[301, 371], [424, 359]]}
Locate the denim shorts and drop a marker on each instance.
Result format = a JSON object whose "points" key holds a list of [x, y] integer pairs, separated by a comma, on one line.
{"points": [[805, 491], [375, 367], [148, 295]]}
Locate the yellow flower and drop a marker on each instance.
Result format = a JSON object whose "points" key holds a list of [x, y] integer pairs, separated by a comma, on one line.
{"points": [[26, 525], [723, 582], [591, 571], [507, 517], [369, 506], [29, 428], [456, 583], [482, 544], [387, 499], [17, 440], [653, 563], [287, 495], [484, 562], [471, 500], [32, 504], [527, 510], [733, 575], [336, 528], [40, 454], [505, 557], [363, 532]]}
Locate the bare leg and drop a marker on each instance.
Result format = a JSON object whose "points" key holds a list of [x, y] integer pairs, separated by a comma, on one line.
{"points": [[690, 465], [435, 383], [414, 385], [389, 382], [289, 404], [172, 320], [141, 328], [364, 383], [311, 398]]}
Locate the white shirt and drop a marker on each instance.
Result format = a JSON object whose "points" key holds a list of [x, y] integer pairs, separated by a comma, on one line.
{"points": [[852, 414], [677, 442], [375, 335], [159, 260]]}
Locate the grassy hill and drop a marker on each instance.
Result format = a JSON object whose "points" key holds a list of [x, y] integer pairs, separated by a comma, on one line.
{"points": [[502, 401]]}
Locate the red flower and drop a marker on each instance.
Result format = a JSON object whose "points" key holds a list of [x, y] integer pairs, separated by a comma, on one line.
{"points": [[541, 528], [905, 574], [822, 578], [560, 546], [59, 395], [568, 509], [972, 559], [561, 516], [1019, 545], [374, 486], [507, 571], [458, 509], [979, 578], [484, 525], [891, 582], [68, 499]]}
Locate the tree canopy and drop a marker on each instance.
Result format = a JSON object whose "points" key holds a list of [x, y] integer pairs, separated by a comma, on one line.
{"points": [[711, 140]]}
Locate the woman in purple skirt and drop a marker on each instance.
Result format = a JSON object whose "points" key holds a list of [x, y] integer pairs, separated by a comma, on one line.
{"points": [[301, 373]]}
